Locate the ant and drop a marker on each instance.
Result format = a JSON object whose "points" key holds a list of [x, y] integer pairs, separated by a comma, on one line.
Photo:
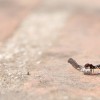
{"points": [[87, 68], [91, 67]]}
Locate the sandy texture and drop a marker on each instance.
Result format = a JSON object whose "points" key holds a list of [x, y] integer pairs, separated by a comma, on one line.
{"points": [[54, 78], [33, 62], [21, 52]]}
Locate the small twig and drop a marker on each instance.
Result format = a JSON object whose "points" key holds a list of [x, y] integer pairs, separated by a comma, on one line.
{"points": [[74, 64]]}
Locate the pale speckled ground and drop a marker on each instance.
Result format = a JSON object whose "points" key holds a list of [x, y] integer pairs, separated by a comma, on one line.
{"points": [[41, 46], [21, 52]]}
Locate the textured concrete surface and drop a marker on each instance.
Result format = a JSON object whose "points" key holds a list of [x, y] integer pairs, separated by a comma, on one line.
{"points": [[33, 62]]}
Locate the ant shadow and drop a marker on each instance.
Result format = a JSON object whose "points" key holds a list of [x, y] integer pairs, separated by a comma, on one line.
{"points": [[93, 74]]}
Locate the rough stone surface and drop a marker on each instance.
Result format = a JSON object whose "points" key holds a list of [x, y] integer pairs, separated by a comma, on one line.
{"points": [[33, 62], [21, 52]]}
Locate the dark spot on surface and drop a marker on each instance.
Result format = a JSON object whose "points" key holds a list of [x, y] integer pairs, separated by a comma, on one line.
{"points": [[28, 73]]}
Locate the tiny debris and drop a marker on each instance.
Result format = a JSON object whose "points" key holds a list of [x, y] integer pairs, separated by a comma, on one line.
{"points": [[28, 73]]}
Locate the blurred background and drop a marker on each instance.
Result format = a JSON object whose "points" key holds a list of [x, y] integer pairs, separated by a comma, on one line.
{"points": [[12, 12], [36, 39]]}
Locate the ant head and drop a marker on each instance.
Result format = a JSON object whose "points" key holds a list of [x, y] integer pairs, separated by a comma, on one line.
{"points": [[87, 65]]}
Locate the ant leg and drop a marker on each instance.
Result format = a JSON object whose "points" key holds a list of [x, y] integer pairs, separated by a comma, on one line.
{"points": [[91, 70]]}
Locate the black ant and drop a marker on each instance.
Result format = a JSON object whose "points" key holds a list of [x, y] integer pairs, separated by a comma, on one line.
{"points": [[91, 67]]}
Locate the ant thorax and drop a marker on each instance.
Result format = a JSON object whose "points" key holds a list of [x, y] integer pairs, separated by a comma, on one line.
{"points": [[89, 71]]}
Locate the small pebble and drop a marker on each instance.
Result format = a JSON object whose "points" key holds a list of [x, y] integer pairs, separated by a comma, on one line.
{"points": [[28, 73]]}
